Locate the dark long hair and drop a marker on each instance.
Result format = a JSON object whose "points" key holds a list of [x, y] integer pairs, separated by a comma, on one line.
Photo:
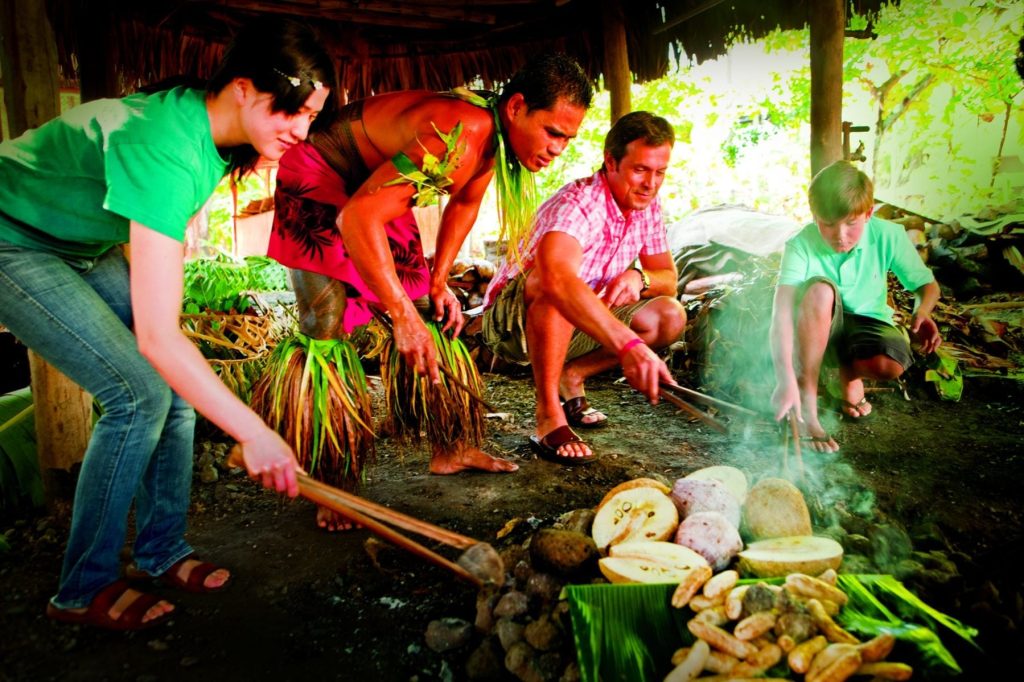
{"points": [[280, 57]]}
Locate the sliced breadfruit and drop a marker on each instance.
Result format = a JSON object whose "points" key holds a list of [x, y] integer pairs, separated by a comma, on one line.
{"points": [[735, 480], [650, 562], [775, 508], [633, 483], [636, 514], [778, 557]]}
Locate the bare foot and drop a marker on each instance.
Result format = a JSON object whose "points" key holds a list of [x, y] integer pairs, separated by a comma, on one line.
{"points": [[461, 458], [332, 521]]}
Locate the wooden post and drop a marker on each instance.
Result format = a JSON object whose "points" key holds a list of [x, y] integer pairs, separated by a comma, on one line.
{"points": [[827, 21], [63, 411], [617, 77]]}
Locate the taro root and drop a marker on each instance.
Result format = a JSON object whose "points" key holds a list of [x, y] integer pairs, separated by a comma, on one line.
{"points": [[712, 536], [758, 597], [799, 626], [692, 495]]}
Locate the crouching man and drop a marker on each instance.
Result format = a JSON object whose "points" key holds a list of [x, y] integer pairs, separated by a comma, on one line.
{"points": [[577, 301], [831, 302]]}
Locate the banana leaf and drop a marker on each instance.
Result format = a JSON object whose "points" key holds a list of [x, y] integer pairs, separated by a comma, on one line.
{"points": [[629, 632], [20, 482]]}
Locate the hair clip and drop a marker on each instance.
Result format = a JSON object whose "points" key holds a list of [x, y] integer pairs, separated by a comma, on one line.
{"points": [[296, 81]]}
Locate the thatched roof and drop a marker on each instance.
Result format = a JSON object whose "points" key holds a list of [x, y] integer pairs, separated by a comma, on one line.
{"points": [[384, 45]]}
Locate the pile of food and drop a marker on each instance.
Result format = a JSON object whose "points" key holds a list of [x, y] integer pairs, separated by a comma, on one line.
{"points": [[767, 606]]}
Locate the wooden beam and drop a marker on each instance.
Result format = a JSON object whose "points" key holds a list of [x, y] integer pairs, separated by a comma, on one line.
{"points": [[63, 411], [97, 73], [828, 21], [617, 77], [31, 91]]}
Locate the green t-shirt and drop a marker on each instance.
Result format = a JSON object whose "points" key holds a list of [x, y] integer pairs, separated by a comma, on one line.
{"points": [[862, 274], [71, 185]]}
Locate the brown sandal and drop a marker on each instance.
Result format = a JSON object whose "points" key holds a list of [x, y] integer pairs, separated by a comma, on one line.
{"points": [[194, 583], [547, 447], [578, 408], [98, 612]]}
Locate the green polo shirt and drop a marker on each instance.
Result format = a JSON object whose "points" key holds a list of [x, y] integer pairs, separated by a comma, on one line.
{"points": [[72, 185], [862, 274]]}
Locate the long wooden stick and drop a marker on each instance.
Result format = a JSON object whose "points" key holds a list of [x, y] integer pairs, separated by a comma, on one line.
{"points": [[699, 414], [321, 497], [395, 518], [794, 429], [708, 400], [363, 506]]}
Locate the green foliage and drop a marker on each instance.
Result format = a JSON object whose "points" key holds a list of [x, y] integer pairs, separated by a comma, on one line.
{"points": [[219, 284], [20, 483], [434, 177]]}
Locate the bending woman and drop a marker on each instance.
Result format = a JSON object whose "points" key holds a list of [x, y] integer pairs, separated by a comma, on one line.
{"points": [[135, 170]]}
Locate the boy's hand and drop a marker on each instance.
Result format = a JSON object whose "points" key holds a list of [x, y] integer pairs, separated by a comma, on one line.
{"points": [[925, 332], [786, 397]]}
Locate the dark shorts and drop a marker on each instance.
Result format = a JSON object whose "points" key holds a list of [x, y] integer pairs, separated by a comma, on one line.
{"points": [[504, 325], [857, 337]]}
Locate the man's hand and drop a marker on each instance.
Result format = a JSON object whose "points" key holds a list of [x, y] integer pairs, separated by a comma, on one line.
{"points": [[925, 332], [645, 371], [446, 307], [414, 342], [623, 290], [786, 398]]}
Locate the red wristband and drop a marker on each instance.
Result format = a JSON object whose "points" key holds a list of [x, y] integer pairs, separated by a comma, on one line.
{"points": [[625, 349]]}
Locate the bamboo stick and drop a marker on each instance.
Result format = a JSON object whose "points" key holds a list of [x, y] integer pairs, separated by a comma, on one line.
{"points": [[699, 414], [708, 400], [794, 429], [331, 501]]}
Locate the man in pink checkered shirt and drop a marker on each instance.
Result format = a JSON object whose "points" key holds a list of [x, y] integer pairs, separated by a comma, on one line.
{"points": [[575, 304]]}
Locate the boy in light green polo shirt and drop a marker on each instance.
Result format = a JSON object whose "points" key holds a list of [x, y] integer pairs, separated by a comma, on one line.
{"points": [[831, 301]]}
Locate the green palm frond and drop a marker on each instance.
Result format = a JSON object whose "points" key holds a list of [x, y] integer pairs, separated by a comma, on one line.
{"points": [[314, 393]]}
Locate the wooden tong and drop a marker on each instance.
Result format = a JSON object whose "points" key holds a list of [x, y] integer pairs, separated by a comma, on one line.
{"points": [[670, 393], [370, 515]]}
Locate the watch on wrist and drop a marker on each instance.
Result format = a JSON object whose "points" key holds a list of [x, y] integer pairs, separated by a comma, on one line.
{"points": [[645, 279]]}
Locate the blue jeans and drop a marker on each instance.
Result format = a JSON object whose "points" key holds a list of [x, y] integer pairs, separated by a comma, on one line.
{"points": [[76, 314]]}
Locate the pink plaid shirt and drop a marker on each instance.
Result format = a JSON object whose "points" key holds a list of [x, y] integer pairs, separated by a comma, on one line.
{"points": [[586, 211]]}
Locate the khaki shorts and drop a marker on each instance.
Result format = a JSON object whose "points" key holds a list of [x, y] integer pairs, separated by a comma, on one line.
{"points": [[504, 325], [855, 337]]}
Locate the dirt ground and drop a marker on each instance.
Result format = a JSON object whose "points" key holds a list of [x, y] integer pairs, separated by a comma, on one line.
{"points": [[310, 605]]}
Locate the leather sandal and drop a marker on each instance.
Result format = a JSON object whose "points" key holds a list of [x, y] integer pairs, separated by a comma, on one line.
{"points": [[193, 583], [547, 447], [98, 612], [576, 409]]}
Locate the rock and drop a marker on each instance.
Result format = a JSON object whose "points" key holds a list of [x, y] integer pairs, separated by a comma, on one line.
{"points": [[857, 544], [509, 632], [579, 520], [486, 662], [542, 634], [522, 572], [512, 604], [486, 600], [550, 665], [565, 552], [858, 563], [571, 673], [448, 633], [544, 587], [521, 661]]}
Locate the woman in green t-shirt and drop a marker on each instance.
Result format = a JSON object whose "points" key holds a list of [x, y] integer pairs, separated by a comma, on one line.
{"points": [[133, 171]]}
